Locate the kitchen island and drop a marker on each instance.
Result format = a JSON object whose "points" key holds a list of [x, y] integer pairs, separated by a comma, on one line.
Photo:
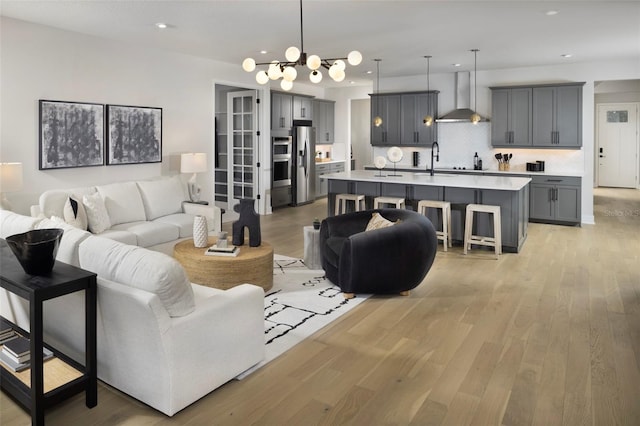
{"points": [[510, 193]]}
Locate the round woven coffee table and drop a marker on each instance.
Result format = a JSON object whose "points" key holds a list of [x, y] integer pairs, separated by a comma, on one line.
{"points": [[253, 265]]}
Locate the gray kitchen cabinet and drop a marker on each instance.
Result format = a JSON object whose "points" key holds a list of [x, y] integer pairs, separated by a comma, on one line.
{"points": [[388, 108], [322, 187], [281, 111], [511, 117], [414, 107], [555, 199], [557, 116], [324, 121], [537, 116], [302, 108], [402, 115]]}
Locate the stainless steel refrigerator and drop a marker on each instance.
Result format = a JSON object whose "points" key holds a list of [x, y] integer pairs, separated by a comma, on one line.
{"points": [[303, 185]]}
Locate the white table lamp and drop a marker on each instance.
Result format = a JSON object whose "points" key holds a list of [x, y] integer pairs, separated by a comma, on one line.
{"points": [[10, 181], [195, 162]]}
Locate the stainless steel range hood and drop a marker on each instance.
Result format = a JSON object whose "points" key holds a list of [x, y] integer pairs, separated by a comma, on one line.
{"points": [[463, 112]]}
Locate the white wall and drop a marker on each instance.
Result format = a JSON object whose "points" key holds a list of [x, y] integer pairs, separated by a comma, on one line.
{"points": [[39, 62]]}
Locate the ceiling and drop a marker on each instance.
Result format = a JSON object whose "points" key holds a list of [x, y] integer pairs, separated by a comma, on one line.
{"points": [[508, 33]]}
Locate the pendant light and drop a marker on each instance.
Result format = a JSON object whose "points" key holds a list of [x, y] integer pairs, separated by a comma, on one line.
{"points": [[475, 117], [428, 119], [377, 120], [298, 57]]}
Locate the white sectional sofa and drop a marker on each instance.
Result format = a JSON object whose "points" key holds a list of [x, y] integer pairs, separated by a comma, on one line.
{"points": [[161, 339], [147, 213]]}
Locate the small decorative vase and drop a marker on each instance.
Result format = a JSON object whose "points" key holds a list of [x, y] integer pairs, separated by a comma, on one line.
{"points": [[36, 250], [316, 223], [200, 232]]}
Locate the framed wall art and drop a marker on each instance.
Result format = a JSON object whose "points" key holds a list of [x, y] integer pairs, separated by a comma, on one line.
{"points": [[71, 134], [134, 134]]}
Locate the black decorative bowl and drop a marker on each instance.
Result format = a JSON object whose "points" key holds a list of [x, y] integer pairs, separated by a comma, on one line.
{"points": [[36, 250]]}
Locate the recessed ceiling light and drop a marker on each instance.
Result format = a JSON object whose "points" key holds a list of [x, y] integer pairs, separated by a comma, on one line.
{"points": [[264, 52], [456, 65], [352, 82], [551, 12], [369, 72], [161, 25], [566, 55]]}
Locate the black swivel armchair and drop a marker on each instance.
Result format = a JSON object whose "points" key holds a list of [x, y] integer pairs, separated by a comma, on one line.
{"points": [[391, 260]]}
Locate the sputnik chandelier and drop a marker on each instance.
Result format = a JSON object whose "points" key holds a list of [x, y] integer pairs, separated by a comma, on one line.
{"points": [[294, 56]]}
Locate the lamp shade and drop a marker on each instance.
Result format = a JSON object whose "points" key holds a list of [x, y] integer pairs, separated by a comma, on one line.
{"points": [[10, 177], [195, 162]]}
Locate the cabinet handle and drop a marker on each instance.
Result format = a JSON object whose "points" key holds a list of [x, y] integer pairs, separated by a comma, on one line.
{"points": [[304, 114], [507, 136], [327, 137], [554, 180], [556, 194], [512, 134]]}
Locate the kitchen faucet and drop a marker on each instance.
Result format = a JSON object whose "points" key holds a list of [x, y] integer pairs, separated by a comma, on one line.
{"points": [[434, 147]]}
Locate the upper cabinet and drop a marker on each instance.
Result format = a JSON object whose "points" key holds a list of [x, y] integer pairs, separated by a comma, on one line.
{"points": [[324, 121], [386, 107], [511, 117], [541, 116], [302, 108], [414, 108], [402, 118], [557, 116], [281, 111]]}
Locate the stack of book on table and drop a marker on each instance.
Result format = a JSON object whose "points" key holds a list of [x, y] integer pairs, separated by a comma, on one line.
{"points": [[16, 353], [6, 332], [222, 251]]}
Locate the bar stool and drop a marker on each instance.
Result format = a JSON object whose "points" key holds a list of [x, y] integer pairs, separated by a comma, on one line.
{"points": [[341, 202], [469, 238], [445, 206], [398, 202]]}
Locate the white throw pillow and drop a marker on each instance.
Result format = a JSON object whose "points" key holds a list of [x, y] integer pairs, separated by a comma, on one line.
{"points": [[75, 214], [379, 222], [97, 215], [140, 268]]}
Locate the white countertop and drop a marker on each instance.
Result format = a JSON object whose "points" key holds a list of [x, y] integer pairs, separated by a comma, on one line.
{"points": [[460, 171], [502, 183], [330, 162]]}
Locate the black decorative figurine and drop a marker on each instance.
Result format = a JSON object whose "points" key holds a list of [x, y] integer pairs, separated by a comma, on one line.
{"points": [[248, 218]]}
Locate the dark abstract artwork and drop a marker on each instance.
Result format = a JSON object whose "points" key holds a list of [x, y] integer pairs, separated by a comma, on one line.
{"points": [[134, 135], [71, 134]]}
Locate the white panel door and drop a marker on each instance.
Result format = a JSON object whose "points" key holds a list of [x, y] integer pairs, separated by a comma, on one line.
{"points": [[243, 146], [618, 145]]}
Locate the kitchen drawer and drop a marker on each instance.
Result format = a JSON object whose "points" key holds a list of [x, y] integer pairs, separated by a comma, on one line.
{"points": [[280, 196], [337, 167], [556, 180]]}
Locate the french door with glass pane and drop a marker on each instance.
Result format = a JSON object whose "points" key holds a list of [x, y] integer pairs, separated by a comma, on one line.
{"points": [[243, 146]]}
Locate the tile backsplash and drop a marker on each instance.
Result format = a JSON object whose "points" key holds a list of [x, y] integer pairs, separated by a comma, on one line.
{"points": [[460, 141]]}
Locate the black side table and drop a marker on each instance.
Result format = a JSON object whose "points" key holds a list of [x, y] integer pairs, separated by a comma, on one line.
{"points": [[64, 279]]}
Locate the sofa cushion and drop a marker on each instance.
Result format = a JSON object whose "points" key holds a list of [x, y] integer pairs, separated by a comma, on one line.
{"points": [[123, 202], [140, 268], [13, 223], [75, 214], [162, 197], [125, 237], [71, 239], [97, 215], [150, 233], [182, 221]]}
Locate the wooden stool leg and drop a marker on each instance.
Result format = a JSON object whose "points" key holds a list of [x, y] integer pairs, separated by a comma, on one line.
{"points": [[497, 232], [445, 228], [404, 293], [468, 225], [349, 295]]}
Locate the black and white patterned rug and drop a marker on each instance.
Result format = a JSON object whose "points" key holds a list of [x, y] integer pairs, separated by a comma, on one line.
{"points": [[301, 302]]}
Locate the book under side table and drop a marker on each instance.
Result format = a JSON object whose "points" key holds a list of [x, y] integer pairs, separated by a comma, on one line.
{"points": [[30, 387]]}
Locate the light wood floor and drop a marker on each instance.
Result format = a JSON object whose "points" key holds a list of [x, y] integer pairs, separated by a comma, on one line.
{"points": [[548, 336]]}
